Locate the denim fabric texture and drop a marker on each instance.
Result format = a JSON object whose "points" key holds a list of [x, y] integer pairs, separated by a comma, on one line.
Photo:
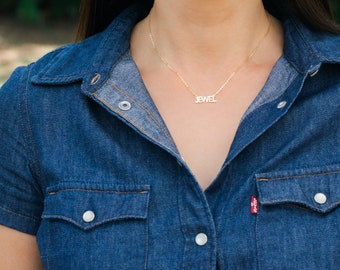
{"points": [[89, 167]]}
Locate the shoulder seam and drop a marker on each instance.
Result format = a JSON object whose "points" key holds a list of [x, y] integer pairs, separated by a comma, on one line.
{"points": [[25, 122]]}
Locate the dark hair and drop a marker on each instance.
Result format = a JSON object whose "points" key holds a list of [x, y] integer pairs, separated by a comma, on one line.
{"points": [[96, 15]]}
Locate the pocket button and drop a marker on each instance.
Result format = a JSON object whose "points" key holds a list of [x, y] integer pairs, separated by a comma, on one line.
{"points": [[320, 198], [88, 216]]}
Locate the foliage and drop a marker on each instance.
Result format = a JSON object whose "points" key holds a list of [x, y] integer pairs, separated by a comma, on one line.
{"points": [[336, 9], [35, 11], [28, 10]]}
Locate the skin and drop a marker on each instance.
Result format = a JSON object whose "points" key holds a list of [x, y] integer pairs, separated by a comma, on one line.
{"points": [[19, 251], [204, 41]]}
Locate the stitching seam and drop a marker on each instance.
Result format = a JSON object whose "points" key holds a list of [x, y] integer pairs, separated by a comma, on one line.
{"points": [[298, 176], [20, 215], [142, 107], [130, 120]]}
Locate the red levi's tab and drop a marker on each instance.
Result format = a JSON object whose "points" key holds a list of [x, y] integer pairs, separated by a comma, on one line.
{"points": [[254, 205]]}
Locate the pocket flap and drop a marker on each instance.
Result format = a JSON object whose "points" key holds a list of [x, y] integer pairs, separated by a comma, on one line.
{"points": [[90, 205], [315, 188]]}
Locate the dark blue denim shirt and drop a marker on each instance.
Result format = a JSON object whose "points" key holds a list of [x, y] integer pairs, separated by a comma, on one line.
{"points": [[88, 165]]}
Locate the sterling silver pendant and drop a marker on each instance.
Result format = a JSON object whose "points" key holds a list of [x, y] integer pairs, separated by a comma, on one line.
{"points": [[205, 99]]}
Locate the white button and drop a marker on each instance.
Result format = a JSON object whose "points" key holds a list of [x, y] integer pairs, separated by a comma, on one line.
{"points": [[95, 79], [282, 104], [312, 74], [201, 239], [124, 105], [88, 216], [320, 198]]}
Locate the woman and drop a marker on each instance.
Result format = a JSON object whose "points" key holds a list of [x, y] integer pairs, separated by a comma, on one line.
{"points": [[197, 135]]}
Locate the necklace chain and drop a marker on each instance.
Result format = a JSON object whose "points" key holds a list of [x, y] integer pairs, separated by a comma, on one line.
{"points": [[199, 99]]}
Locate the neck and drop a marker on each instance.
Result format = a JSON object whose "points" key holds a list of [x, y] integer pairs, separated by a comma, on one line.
{"points": [[207, 32]]}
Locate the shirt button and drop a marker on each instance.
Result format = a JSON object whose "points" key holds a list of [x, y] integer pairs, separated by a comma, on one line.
{"points": [[88, 216], [201, 239], [320, 198], [95, 79], [124, 105], [312, 74], [282, 104]]}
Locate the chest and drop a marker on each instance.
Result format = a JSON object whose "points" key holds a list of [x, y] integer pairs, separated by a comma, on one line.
{"points": [[143, 205], [204, 132]]}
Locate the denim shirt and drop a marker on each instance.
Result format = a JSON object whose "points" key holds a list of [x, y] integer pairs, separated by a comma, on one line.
{"points": [[89, 167]]}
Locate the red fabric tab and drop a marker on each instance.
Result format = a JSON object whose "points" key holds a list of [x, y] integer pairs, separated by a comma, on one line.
{"points": [[254, 205]]}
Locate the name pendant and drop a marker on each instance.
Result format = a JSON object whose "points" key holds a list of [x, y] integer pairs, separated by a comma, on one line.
{"points": [[205, 99]]}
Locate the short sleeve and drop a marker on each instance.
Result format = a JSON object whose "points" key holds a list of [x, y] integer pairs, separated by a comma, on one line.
{"points": [[21, 199]]}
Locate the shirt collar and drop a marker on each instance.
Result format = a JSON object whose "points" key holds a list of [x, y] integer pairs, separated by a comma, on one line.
{"points": [[92, 58], [91, 61], [306, 50]]}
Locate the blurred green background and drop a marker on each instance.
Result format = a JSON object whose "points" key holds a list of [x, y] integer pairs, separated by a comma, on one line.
{"points": [[336, 8], [31, 28], [35, 11]]}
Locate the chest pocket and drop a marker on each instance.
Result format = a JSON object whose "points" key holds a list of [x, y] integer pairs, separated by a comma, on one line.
{"points": [[298, 225], [94, 226]]}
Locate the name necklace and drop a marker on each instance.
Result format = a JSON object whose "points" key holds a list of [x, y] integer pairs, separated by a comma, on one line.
{"points": [[199, 99]]}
